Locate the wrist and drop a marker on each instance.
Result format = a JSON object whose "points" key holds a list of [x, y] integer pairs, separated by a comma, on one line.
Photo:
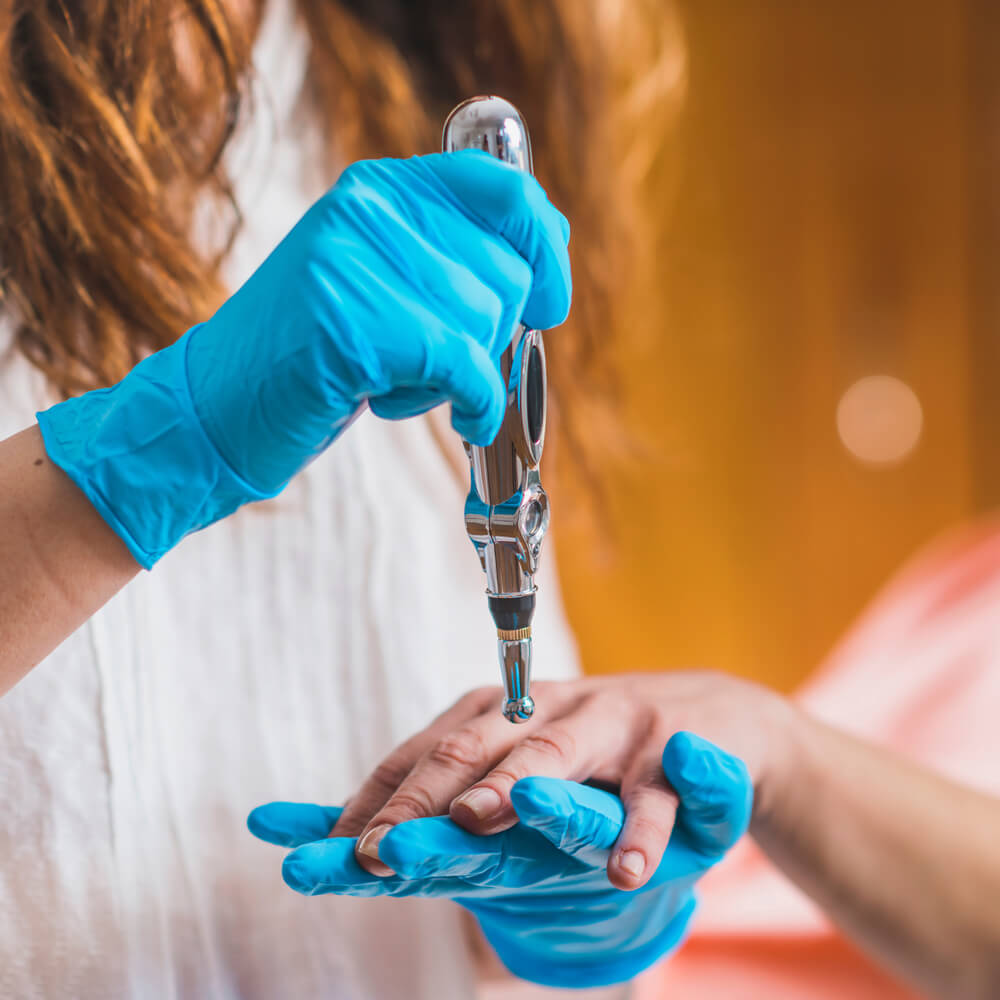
{"points": [[139, 453], [787, 729]]}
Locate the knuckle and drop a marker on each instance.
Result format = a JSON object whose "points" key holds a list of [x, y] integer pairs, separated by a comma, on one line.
{"points": [[351, 827], [611, 703], [651, 792], [645, 828], [481, 697], [472, 704], [554, 741], [662, 806], [649, 779], [347, 827], [354, 817], [462, 750], [390, 773], [505, 775], [407, 803], [550, 687]]}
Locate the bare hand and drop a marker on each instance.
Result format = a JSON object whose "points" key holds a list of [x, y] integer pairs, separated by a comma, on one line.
{"points": [[608, 730]]}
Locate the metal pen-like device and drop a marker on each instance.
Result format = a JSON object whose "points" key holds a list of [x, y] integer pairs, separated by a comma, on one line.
{"points": [[507, 511]]}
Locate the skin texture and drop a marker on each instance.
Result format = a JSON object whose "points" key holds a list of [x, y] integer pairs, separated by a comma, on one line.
{"points": [[608, 730], [904, 862], [59, 561]]}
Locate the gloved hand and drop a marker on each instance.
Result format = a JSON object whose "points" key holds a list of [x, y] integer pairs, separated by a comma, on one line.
{"points": [[400, 287], [540, 890]]}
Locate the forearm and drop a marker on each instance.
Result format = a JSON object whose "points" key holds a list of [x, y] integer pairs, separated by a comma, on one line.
{"points": [[906, 863], [59, 560]]}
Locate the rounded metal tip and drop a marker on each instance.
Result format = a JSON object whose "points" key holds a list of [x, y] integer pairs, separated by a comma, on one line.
{"points": [[519, 709], [492, 124]]}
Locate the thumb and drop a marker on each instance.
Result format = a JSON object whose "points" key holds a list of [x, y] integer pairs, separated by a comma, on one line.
{"points": [[579, 820], [514, 206], [715, 792]]}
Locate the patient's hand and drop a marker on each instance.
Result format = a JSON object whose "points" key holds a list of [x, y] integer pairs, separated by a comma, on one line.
{"points": [[607, 730], [539, 890]]}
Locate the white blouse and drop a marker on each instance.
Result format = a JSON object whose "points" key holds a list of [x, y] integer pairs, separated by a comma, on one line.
{"points": [[277, 655]]}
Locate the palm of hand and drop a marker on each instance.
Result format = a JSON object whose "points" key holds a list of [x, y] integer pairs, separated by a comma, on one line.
{"points": [[540, 889]]}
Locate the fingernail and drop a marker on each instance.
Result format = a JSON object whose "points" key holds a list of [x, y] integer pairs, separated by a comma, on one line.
{"points": [[481, 802], [633, 862], [368, 846]]}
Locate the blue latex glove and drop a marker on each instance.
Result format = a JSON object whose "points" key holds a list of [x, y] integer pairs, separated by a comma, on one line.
{"points": [[400, 287], [540, 890]]}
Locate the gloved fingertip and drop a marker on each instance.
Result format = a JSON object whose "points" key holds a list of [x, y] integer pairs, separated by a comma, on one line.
{"points": [[572, 816], [482, 429], [537, 796], [685, 761], [561, 797], [289, 824], [258, 823], [434, 848], [323, 866], [471, 430], [401, 853], [699, 769], [548, 306], [715, 788], [297, 874], [270, 823]]}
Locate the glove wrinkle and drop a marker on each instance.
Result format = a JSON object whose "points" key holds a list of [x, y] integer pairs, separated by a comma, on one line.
{"points": [[397, 286], [540, 890]]}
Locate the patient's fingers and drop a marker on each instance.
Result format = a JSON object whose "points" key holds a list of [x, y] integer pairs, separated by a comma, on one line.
{"points": [[576, 746], [378, 788], [695, 788], [462, 752], [457, 759], [650, 807]]}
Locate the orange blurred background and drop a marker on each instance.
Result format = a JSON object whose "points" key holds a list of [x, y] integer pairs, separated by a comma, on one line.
{"points": [[830, 212]]}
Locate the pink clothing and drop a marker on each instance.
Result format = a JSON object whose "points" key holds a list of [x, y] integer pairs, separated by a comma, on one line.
{"points": [[920, 673]]}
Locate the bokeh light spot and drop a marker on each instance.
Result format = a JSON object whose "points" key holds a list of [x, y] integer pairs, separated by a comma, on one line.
{"points": [[879, 419]]}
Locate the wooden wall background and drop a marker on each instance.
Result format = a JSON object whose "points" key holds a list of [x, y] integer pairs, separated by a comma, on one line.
{"points": [[834, 214]]}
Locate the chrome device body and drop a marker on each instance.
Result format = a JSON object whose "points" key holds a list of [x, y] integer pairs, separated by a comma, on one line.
{"points": [[507, 510]]}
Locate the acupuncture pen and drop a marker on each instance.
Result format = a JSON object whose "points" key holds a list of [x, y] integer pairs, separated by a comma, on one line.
{"points": [[507, 510]]}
